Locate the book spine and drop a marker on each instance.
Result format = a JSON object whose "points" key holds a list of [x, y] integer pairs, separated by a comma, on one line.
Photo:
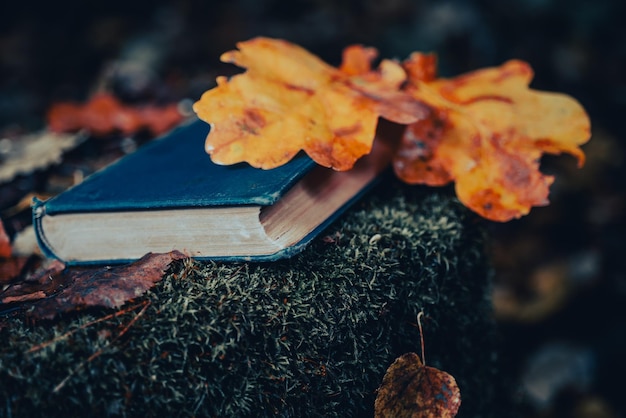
{"points": [[39, 211]]}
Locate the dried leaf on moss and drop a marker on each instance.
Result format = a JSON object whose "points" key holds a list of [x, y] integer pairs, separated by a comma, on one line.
{"points": [[43, 282], [412, 390], [57, 289]]}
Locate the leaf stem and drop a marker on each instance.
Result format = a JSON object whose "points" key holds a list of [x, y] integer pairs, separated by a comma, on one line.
{"points": [[419, 325]]}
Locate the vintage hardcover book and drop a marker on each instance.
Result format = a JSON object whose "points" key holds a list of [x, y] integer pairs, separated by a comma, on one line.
{"points": [[170, 195]]}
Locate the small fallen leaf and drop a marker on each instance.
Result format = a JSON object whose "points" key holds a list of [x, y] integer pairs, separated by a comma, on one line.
{"points": [[107, 287], [487, 131], [58, 289], [289, 100], [412, 390], [104, 114]]}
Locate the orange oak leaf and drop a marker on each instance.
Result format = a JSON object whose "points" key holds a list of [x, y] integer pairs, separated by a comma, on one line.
{"points": [[104, 114], [487, 131], [289, 100], [412, 390]]}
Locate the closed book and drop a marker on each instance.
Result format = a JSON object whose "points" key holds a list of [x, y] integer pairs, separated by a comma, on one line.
{"points": [[169, 195]]}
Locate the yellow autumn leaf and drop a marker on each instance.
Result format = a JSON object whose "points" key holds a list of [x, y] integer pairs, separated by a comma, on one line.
{"points": [[487, 131], [289, 100]]}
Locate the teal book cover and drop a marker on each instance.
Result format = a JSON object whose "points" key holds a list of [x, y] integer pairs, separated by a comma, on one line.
{"points": [[170, 195]]}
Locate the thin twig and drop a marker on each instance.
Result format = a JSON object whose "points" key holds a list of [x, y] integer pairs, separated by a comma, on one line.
{"points": [[132, 321], [101, 350], [84, 326]]}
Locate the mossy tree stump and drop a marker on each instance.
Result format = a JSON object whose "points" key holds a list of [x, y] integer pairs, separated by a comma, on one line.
{"points": [[308, 336]]}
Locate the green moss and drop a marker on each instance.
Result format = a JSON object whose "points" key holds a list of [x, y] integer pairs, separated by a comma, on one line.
{"points": [[308, 336]]}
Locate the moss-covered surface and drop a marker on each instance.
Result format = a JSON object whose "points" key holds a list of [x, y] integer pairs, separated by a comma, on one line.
{"points": [[308, 336]]}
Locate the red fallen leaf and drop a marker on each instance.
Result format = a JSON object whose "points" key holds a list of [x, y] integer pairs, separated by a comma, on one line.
{"points": [[5, 243], [106, 287], [41, 283], [413, 390], [104, 114], [57, 290]]}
